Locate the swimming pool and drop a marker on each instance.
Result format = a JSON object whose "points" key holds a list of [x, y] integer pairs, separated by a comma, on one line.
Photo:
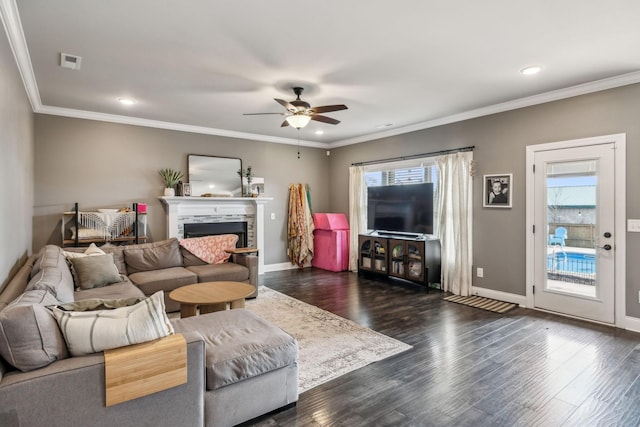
{"points": [[572, 262]]}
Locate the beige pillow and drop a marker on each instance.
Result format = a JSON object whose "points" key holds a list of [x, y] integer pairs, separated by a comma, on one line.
{"points": [[95, 271], [92, 250], [102, 328]]}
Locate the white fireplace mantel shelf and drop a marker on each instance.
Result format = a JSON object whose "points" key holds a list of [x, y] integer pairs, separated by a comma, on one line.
{"points": [[191, 200], [177, 207]]}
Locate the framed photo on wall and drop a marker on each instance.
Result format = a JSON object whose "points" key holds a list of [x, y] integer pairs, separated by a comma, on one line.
{"points": [[497, 190]]}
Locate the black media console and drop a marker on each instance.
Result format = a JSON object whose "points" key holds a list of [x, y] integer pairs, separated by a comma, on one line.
{"points": [[404, 255]]}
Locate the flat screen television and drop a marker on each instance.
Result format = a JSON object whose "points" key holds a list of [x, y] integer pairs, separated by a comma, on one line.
{"points": [[401, 208]]}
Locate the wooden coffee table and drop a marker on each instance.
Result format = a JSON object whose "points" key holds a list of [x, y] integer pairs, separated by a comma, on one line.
{"points": [[210, 296]]}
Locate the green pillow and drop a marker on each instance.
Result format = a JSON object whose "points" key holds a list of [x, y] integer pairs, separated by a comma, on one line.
{"points": [[95, 271]]}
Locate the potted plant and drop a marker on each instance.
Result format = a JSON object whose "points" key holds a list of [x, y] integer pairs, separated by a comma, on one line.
{"points": [[170, 177]]}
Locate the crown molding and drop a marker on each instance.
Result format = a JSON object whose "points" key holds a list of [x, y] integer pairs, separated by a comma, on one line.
{"points": [[136, 121], [13, 27], [555, 95]]}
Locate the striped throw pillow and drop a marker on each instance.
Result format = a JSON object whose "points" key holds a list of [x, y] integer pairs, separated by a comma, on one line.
{"points": [[94, 325]]}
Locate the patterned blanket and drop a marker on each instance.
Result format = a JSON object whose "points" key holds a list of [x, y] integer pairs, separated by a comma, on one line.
{"points": [[211, 249]]}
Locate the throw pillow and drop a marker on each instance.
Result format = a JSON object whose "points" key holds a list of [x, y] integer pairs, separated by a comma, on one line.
{"points": [[103, 327], [95, 271], [29, 335], [92, 250]]}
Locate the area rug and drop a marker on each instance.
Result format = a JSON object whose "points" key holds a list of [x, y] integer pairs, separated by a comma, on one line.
{"points": [[482, 303], [329, 345]]}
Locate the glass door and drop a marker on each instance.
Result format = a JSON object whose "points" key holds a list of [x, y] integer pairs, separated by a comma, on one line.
{"points": [[574, 205]]}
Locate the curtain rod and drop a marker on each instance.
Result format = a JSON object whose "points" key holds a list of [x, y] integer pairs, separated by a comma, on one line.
{"points": [[414, 156]]}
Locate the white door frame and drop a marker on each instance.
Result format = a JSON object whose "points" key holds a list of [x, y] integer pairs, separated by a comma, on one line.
{"points": [[620, 141]]}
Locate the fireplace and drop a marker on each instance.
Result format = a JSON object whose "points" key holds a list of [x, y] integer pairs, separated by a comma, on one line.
{"points": [[216, 228]]}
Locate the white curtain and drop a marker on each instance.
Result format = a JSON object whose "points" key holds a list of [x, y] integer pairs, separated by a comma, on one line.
{"points": [[357, 212], [455, 224]]}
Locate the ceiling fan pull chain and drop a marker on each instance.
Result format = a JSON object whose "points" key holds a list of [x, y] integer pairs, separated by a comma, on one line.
{"points": [[298, 143]]}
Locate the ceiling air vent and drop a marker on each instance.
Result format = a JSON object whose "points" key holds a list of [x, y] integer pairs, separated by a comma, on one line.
{"points": [[70, 61]]}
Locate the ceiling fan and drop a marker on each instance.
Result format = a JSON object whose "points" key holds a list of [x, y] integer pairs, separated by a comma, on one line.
{"points": [[299, 112]]}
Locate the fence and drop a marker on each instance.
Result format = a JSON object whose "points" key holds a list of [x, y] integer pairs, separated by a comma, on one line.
{"points": [[572, 267], [578, 235]]}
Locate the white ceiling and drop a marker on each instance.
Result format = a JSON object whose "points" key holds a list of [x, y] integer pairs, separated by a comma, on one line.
{"points": [[199, 65]]}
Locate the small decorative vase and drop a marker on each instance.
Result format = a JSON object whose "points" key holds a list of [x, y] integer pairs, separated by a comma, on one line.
{"points": [[169, 192]]}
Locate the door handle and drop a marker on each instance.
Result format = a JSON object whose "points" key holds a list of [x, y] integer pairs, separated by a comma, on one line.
{"points": [[605, 247]]}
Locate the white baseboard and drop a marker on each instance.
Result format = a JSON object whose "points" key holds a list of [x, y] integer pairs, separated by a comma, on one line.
{"points": [[632, 324], [279, 267], [521, 300]]}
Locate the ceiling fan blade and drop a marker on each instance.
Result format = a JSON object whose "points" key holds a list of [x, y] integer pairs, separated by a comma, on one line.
{"points": [[261, 114], [329, 108], [284, 124], [286, 104], [325, 119]]}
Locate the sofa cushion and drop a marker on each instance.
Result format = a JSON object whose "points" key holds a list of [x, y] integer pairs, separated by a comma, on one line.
{"points": [[124, 289], [166, 279], [153, 256], [239, 345], [56, 278], [95, 325], [118, 256], [95, 271], [29, 335], [189, 259], [217, 272], [46, 257]]}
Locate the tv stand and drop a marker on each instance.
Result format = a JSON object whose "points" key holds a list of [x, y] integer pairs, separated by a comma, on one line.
{"points": [[416, 259]]}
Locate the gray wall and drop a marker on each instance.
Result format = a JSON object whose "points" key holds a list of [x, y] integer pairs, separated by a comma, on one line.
{"points": [[99, 164], [500, 141], [16, 166]]}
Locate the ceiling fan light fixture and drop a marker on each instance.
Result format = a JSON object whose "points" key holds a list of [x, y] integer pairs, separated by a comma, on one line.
{"points": [[298, 121]]}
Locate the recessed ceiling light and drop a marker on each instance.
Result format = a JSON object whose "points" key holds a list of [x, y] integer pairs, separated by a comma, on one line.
{"points": [[126, 101], [531, 70], [319, 132]]}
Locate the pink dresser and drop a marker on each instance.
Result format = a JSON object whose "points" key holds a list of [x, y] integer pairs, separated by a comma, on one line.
{"points": [[331, 241]]}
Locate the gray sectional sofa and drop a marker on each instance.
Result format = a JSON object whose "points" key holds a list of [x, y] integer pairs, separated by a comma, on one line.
{"points": [[239, 365]]}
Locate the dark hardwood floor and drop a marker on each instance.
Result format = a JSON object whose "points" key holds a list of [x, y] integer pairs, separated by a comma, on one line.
{"points": [[468, 367]]}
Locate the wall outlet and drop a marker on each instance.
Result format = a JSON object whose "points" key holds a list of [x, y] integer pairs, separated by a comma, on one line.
{"points": [[273, 215], [480, 272]]}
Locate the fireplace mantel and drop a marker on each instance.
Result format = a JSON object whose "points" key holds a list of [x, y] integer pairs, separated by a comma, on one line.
{"points": [[177, 208]]}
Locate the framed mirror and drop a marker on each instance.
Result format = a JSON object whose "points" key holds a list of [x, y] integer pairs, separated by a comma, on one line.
{"points": [[212, 176]]}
